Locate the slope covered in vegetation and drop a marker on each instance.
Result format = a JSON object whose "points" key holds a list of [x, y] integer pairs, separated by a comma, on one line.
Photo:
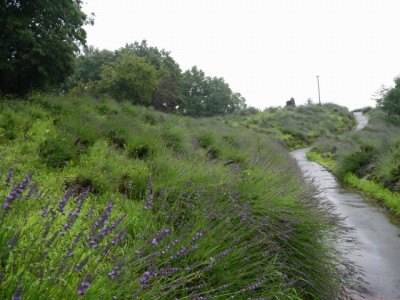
{"points": [[367, 159], [298, 126], [108, 200]]}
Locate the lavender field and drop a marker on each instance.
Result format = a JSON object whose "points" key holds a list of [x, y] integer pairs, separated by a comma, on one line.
{"points": [[106, 200]]}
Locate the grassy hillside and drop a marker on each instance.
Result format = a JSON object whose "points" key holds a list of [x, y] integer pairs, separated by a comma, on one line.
{"points": [[298, 126], [108, 200], [368, 159]]}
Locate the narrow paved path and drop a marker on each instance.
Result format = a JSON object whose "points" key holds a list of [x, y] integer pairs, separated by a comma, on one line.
{"points": [[379, 250]]}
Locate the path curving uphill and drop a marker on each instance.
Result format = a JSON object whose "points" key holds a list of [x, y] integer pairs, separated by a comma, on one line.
{"points": [[378, 252]]}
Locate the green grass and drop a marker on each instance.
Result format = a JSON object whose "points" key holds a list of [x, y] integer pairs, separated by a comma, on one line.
{"points": [[376, 191], [327, 162], [203, 209]]}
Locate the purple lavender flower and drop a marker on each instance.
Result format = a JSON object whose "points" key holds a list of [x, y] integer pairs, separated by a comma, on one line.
{"points": [[119, 237], [145, 278], [74, 214], [117, 270], [13, 240], [81, 264], [74, 243], [172, 244], [183, 251], [18, 294], [53, 238], [64, 200], [149, 202], [14, 194], [88, 214], [46, 229], [114, 242], [224, 286], [100, 222], [32, 190], [166, 272], [16, 190], [26, 181], [223, 254], [196, 287], [257, 285], [9, 176], [197, 236], [81, 197], [117, 222], [83, 287], [107, 230]]}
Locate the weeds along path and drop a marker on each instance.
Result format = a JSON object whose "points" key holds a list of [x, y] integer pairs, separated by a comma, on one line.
{"points": [[378, 248]]}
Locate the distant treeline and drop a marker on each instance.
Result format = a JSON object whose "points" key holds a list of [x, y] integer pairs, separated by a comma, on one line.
{"points": [[148, 76]]}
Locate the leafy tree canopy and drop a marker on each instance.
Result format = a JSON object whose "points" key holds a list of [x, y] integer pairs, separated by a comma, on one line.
{"points": [[205, 96], [390, 103], [88, 65], [190, 93], [129, 78], [39, 40], [167, 96]]}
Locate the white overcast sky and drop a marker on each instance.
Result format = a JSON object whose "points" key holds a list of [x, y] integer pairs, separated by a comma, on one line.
{"points": [[267, 50]]}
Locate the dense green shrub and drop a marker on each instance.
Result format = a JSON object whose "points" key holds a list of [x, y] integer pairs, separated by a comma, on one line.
{"points": [[58, 150], [129, 78]]}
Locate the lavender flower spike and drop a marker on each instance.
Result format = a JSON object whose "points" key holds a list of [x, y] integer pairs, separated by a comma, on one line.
{"points": [[9, 176], [18, 294], [100, 222], [83, 287], [64, 200]]}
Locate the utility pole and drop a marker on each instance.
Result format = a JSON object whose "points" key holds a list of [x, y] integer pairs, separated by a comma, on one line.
{"points": [[319, 94]]}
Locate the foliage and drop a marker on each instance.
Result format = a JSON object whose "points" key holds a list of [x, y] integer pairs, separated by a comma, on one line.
{"points": [[88, 65], [129, 78], [390, 103], [191, 93], [380, 94], [298, 126], [167, 95], [182, 223], [353, 161], [39, 40], [205, 96]]}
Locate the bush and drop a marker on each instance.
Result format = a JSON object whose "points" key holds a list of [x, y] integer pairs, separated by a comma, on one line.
{"points": [[57, 151], [129, 78], [353, 161], [174, 139]]}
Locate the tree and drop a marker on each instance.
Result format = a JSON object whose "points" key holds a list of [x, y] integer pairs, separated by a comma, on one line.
{"points": [[129, 78], [380, 94], [38, 42], [205, 96], [194, 90], [89, 65], [167, 96], [391, 100]]}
